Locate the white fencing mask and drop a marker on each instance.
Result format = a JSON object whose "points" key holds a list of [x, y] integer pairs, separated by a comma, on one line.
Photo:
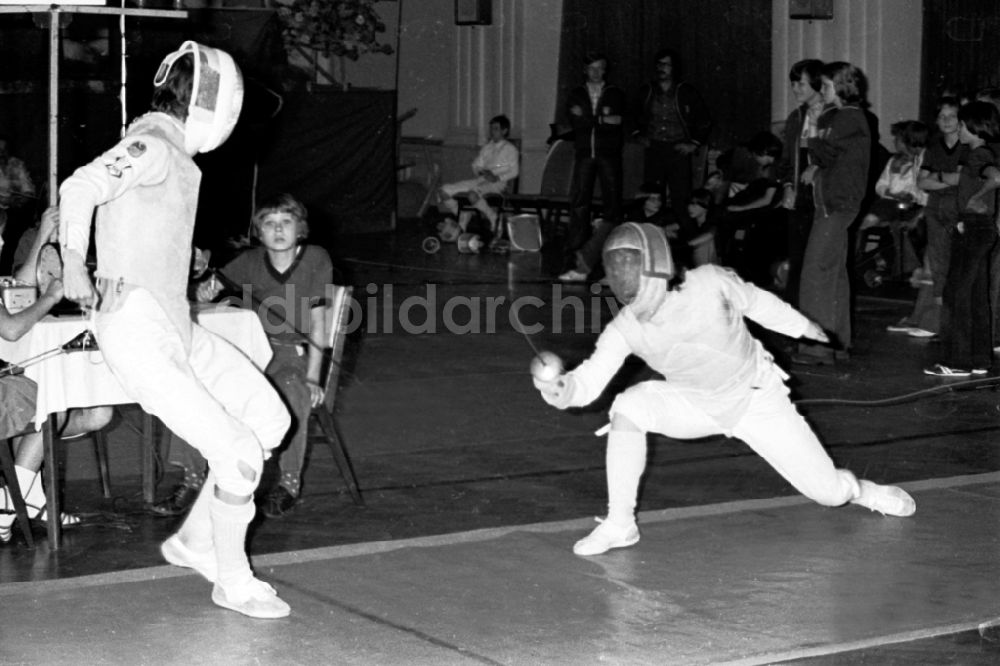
{"points": [[657, 264], [216, 96]]}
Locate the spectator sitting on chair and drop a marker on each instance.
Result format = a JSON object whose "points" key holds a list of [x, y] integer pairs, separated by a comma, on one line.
{"points": [[754, 235], [648, 207], [283, 266], [900, 198], [17, 193], [701, 235], [18, 394], [495, 167]]}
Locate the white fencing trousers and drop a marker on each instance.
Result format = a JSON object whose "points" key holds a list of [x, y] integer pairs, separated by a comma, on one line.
{"points": [[771, 426], [481, 187], [211, 396]]}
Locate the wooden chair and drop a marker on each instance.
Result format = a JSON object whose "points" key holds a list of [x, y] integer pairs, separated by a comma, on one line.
{"points": [[13, 487], [552, 200], [14, 490], [496, 200], [339, 313]]}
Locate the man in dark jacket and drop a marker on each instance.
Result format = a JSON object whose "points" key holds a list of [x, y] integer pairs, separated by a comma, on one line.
{"points": [[673, 123], [797, 197], [595, 110]]}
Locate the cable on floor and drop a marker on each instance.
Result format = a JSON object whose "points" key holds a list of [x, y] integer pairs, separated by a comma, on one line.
{"points": [[944, 388]]}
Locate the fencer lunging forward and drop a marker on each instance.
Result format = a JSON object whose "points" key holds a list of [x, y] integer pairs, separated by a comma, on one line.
{"points": [[717, 379], [145, 192]]}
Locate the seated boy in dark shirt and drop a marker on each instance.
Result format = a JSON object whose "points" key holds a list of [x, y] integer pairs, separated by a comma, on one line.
{"points": [[284, 280]]}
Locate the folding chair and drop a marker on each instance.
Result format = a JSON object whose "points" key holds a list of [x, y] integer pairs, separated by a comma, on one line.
{"points": [[339, 310]]}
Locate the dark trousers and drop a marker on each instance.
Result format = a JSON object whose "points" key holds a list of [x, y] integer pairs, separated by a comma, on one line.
{"points": [[966, 334], [800, 221], [586, 171], [825, 292], [287, 372], [665, 164]]}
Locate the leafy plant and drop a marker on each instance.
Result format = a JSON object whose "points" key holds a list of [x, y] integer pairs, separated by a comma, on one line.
{"points": [[345, 28]]}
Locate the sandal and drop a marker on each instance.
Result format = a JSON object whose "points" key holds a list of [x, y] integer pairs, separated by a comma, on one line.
{"points": [[7, 519], [41, 515]]}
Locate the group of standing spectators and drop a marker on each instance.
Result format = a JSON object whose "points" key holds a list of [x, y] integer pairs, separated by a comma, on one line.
{"points": [[956, 175], [672, 123], [820, 178]]}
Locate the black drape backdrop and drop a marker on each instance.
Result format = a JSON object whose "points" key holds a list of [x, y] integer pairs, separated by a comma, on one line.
{"points": [[339, 159], [725, 47], [336, 152], [961, 49]]}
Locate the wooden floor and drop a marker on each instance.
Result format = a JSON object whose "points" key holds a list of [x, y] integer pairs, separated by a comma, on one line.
{"points": [[447, 436]]}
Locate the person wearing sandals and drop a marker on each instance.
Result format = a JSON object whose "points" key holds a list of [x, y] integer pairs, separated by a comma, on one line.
{"points": [[966, 340], [18, 393]]}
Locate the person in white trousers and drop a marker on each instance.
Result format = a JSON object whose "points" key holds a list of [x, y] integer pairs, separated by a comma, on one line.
{"points": [[717, 379], [495, 167], [145, 192]]}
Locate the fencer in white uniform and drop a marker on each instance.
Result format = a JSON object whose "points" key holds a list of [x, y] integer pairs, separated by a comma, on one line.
{"points": [[717, 379], [145, 193]]}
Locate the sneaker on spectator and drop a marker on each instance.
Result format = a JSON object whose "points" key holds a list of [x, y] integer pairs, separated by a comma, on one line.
{"points": [[903, 326], [606, 536], [939, 370], [920, 333], [180, 500], [278, 502], [573, 275]]}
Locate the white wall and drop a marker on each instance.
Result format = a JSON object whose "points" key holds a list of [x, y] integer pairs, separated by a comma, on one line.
{"points": [[458, 77], [882, 37]]}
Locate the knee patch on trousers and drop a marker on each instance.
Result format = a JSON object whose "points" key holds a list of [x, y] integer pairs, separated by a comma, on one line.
{"points": [[230, 475]]}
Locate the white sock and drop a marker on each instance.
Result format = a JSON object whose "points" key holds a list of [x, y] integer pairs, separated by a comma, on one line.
{"points": [[625, 461], [196, 532], [230, 522], [31, 490]]}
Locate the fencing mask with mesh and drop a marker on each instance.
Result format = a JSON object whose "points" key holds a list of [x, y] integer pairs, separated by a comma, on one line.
{"points": [[641, 284], [216, 95]]}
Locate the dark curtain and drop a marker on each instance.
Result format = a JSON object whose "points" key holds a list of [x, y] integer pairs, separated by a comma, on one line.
{"points": [[336, 152], [961, 50], [725, 47], [90, 109]]}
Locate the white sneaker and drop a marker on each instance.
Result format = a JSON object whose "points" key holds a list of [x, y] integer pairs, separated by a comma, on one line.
{"points": [[573, 275], [920, 333], [887, 500], [177, 553], [606, 536], [254, 598], [901, 327]]}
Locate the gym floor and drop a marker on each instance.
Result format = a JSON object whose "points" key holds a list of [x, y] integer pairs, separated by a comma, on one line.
{"points": [[475, 491]]}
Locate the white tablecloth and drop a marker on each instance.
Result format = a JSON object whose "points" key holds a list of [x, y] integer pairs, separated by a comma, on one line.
{"points": [[82, 379]]}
